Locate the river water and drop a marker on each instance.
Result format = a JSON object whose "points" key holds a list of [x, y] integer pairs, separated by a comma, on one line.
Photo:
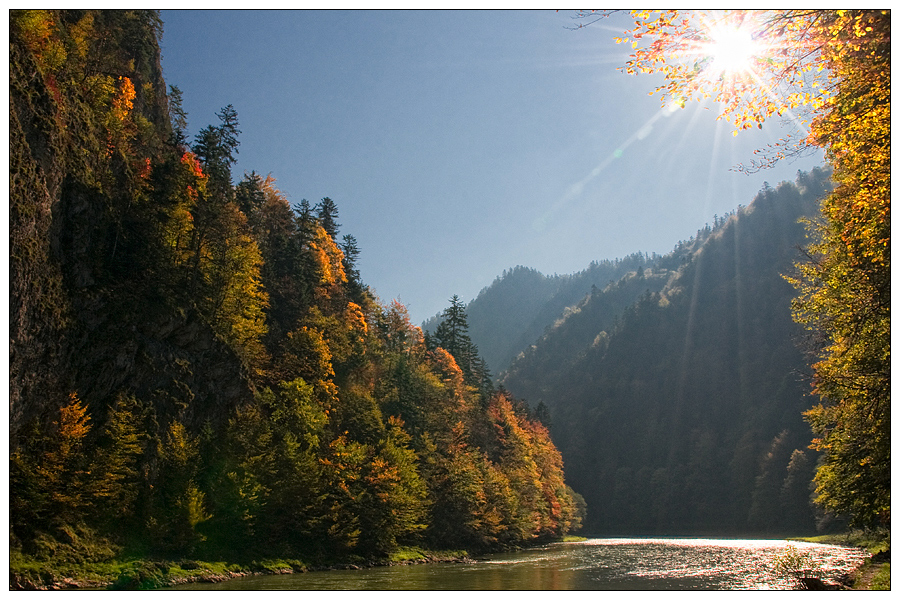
{"points": [[594, 564]]}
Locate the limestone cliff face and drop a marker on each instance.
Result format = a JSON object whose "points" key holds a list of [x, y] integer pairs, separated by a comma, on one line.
{"points": [[39, 311], [87, 313]]}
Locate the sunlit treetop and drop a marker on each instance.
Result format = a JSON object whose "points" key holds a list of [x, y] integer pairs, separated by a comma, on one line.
{"points": [[755, 64]]}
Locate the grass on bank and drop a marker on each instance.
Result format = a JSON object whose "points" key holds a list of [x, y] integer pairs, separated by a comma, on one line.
{"points": [[118, 573], [874, 542], [409, 554], [875, 572], [131, 573], [882, 579]]}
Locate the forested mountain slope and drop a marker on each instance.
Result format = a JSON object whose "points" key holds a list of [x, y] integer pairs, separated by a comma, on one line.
{"points": [[196, 366], [682, 413], [512, 312]]}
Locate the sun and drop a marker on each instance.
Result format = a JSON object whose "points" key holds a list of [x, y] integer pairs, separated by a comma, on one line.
{"points": [[732, 51]]}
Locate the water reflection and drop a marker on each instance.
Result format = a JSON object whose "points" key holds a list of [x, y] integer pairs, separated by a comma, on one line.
{"points": [[596, 564]]}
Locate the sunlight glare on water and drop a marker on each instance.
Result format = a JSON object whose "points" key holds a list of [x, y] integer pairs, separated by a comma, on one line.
{"points": [[594, 564], [723, 563]]}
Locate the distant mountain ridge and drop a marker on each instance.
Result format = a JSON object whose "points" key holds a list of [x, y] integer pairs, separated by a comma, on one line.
{"points": [[522, 303], [506, 317], [676, 393]]}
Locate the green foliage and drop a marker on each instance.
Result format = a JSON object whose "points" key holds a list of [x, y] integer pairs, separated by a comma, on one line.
{"points": [[116, 464], [794, 563], [395, 503], [178, 505], [452, 334]]}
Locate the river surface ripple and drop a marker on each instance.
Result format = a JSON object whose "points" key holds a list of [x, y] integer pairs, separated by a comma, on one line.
{"points": [[594, 564]]}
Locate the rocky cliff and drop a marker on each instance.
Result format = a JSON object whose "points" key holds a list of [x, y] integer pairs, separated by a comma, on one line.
{"points": [[88, 116]]}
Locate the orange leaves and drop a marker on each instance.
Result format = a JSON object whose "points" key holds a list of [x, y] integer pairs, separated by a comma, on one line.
{"points": [[687, 48], [444, 363], [355, 319], [189, 159], [123, 102], [34, 27], [533, 467], [38, 31], [73, 418], [329, 261], [119, 129], [143, 170], [72, 427], [193, 180], [63, 466]]}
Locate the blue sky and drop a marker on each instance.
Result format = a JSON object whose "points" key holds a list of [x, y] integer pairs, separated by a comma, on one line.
{"points": [[457, 144]]}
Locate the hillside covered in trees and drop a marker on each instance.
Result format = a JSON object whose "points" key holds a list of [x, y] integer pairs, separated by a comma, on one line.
{"points": [[197, 368], [512, 312], [676, 393], [829, 70]]}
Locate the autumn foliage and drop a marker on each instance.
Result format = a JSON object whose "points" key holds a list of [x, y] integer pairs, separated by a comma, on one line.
{"points": [[229, 386]]}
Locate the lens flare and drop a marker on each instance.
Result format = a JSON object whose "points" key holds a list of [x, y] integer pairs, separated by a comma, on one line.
{"points": [[732, 49]]}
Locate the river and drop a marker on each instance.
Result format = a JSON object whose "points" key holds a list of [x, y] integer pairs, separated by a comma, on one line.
{"points": [[594, 564]]}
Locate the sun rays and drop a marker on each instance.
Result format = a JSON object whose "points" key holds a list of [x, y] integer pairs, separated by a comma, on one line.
{"points": [[732, 51]]}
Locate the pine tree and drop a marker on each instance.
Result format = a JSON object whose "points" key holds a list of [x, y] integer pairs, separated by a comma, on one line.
{"points": [[355, 286], [327, 214], [178, 117], [453, 333]]}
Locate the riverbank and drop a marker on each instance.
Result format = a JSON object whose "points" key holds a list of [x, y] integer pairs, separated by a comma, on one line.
{"points": [[875, 572], [145, 573], [148, 574], [871, 575]]}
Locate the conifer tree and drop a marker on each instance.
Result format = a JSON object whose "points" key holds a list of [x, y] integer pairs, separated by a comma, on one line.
{"points": [[327, 214], [178, 117]]}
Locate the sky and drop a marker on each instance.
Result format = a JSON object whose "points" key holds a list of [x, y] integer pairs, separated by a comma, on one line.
{"points": [[458, 144]]}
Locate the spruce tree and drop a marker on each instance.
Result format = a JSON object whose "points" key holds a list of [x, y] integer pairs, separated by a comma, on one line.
{"points": [[327, 214]]}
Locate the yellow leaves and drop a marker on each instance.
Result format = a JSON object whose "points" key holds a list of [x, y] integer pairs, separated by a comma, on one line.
{"points": [[236, 300], [180, 448], [38, 31], [74, 423], [682, 50], [844, 292], [118, 131], [81, 34], [62, 465], [355, 318], [329, 261], [307, 355], [124, 100], [34, 27]]}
